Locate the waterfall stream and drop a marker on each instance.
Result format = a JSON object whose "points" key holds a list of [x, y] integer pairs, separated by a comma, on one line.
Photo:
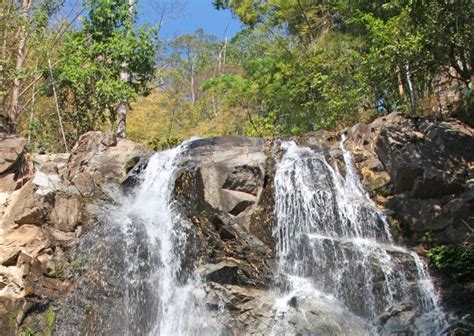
{"points": [[162, 296], [331, 239]]}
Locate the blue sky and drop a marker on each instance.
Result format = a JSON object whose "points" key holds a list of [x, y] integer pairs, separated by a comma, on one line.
{"points": [[191, 15], [185, 17]]}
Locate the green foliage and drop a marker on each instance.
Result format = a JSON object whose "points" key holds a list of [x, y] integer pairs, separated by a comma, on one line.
{"points": [[34, 31], [55, 272], [332, 63], [297, 66], [92, 59], [457, 261], [159, 144], [28, 332]]}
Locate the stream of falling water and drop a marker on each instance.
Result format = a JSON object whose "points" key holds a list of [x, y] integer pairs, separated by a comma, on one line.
{"points": [[162, 296], [331, 239]]}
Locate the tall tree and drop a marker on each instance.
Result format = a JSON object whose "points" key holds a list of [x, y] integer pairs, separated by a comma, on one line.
{"points": [[20, 58], [125, 76], [104, 66]]}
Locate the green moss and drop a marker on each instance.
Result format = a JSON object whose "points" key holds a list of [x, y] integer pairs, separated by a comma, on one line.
{"points": [[49, 321], [211, 249], [88, 307], [76, 266]]}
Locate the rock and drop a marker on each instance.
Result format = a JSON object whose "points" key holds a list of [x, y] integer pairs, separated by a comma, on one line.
{"points": [[13, 166], [259, 312], [9, 255], [226, 234], [30, 239], [426, 158], [11, 152], [399, 319], [245, 178], [8, 182], [26, 207], [66, 213], [435, 186], [235, 202], [448, 218], [224, 272], [231, 170], [46, 183], [11, 282], [99, 163]]}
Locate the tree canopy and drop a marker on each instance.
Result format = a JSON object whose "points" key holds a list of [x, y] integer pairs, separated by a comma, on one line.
{"points": [[296, 66]]}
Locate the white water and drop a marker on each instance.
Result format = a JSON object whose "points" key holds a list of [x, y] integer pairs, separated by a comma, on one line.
{"points": [[333, 247], [331, 237], [162, 296]]}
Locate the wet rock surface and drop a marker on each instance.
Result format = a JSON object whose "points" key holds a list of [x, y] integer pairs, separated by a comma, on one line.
{"points": [[56, 257]]}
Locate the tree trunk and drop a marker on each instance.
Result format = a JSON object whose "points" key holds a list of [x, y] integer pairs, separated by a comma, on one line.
{"points": [[410, 86], [33, 100], [122, 108], [55, 95], [20, 59], [401, 91], [193, 93]]}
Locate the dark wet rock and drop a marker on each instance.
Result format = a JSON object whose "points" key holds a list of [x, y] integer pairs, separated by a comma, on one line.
{"points": [[449, 218], [226, 234], [427, 159], [244, 178], [223, 273]]}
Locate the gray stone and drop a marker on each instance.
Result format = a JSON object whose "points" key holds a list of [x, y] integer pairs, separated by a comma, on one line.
{"points": [[224, 272]]}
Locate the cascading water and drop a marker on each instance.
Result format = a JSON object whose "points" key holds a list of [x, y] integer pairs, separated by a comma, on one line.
{"points": [[163, 297], [331, 239]]}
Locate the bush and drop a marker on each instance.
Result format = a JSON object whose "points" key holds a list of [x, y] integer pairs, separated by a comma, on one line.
{"points": [[457, 261]]}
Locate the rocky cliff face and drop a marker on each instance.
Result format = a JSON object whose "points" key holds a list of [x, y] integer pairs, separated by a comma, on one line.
{"points": [[60, 271]]}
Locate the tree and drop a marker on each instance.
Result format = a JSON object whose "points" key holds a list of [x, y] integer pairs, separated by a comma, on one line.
{"points": [[92, 63], [334, 62], [23, 28], [20, 58]]}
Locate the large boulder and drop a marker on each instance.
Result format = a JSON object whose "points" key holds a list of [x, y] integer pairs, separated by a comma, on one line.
{"points": [[420, 170], [99, 163], [220, 189], [426, 159], [42, 215]]}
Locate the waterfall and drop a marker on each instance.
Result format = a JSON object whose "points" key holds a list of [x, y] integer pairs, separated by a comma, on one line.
{"points": [[332, 239], [163, 295]]}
